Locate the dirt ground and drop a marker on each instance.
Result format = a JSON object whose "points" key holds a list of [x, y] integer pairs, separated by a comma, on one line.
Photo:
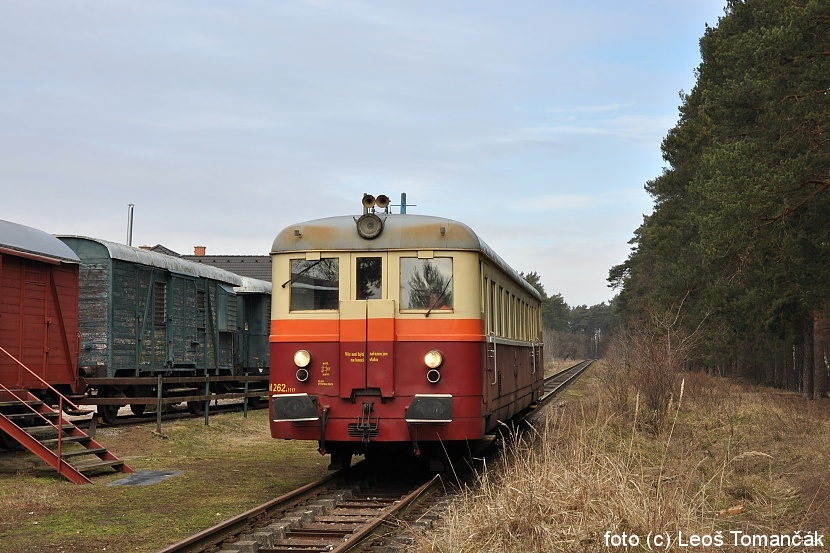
{"points": [[227, 467]]}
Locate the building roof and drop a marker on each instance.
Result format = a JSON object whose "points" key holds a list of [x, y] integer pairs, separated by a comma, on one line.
{"points": [[253, 266], [158, 248]]}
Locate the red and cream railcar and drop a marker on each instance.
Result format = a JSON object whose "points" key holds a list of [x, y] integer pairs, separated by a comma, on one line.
{"points": [[396, 330]]}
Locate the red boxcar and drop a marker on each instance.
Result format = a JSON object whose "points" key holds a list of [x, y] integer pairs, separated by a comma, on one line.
{"points": [[38, 310], [397, 330]]}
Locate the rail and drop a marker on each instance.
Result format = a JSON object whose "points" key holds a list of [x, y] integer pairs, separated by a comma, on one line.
{"points": [[235, 525], [561, 380], [265, 528], [336, 513]]}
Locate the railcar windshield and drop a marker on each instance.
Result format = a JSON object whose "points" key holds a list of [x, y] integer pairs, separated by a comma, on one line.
{"points": [[426, 283], [315, 284], [369, 278]]}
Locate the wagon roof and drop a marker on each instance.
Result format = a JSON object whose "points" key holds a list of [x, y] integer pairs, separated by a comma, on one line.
{"points": [[14, 236], [400, 232], [253, 286], [162, 261]]}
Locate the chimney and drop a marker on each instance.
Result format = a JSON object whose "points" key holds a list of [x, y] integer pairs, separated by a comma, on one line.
{"points": [[148, 248], [199, 251]]}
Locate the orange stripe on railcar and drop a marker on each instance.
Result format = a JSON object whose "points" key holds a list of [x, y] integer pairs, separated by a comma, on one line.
{"points": [[405, 330]]}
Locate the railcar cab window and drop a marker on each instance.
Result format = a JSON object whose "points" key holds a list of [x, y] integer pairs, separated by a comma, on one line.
{"points": [[315, 284], [426, 283], [369, 278]]}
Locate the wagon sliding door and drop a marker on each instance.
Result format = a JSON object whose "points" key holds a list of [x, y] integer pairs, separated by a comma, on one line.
{"points": [[148, 306]]}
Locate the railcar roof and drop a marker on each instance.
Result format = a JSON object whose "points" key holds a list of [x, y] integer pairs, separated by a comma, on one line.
{"points": [[153, 259], [30, 240], [253, 286], [400, 232]]}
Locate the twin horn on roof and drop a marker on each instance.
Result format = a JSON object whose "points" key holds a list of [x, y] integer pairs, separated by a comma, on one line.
{"points": [[370, 226], [370, 202]]}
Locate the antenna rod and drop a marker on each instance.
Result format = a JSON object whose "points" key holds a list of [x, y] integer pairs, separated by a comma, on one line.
{"points": [[130, 224]]}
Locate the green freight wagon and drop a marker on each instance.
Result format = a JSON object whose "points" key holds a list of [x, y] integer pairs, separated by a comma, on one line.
{"points": [[144, 314]]}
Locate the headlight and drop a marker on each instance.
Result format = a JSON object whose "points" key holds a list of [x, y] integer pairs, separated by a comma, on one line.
{"points": [[302, 358], [433, 359]]}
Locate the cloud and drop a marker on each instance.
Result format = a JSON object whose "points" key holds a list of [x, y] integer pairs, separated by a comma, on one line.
{"points": [[538, 123]]}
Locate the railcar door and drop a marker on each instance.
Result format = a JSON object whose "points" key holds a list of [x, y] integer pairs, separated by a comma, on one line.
{"points": [[367, 329]]}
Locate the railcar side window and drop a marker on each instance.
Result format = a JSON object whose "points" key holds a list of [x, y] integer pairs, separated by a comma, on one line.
{"points": [[426, 283], [315, 284], [494, 309]]}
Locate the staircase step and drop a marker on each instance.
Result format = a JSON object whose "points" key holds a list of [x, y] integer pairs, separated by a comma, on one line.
{"points": [[65, 439], [93, 465], [80, 452], [15, 403], [18, 401], [17, 416], [46, 427], [79, 412]]}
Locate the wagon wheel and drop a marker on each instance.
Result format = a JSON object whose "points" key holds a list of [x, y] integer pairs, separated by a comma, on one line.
{"points": [[196, 407], [138, 408], [254, 402], [107, 413], [7, 442]]}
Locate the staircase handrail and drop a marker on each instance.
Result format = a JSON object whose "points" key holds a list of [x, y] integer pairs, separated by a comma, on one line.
{"points": [[29, 407], [60, 395]]}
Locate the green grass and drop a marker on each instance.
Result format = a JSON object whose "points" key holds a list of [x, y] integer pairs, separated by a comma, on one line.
{"points": [[229, 467]]}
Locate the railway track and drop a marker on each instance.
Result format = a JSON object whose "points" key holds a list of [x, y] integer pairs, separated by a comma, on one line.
{"points": [[557, 383], [126, 417], [337, 513], [89, 422], [346, 510]]}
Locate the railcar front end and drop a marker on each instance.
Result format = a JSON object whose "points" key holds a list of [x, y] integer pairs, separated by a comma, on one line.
{"points": [[379, 335]]}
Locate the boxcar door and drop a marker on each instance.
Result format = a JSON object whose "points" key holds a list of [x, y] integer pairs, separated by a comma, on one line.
{"points": [[367, 329], [34, 302]]}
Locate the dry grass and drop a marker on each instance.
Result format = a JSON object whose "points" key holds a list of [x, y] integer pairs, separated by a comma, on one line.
{"points": [[591, 468]]}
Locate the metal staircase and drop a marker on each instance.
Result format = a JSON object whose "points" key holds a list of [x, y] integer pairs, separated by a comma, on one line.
{"points": [[45, 432]]}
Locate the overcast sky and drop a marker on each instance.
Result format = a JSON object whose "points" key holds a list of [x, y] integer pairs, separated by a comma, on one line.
{"points": [[537, 123]]}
